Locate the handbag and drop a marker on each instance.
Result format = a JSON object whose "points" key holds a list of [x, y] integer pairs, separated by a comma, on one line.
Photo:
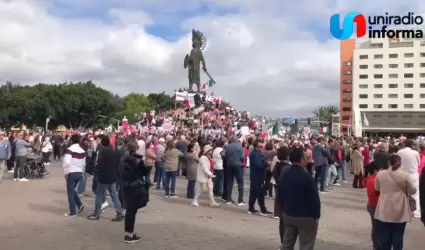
{"points": [[412, 202]]}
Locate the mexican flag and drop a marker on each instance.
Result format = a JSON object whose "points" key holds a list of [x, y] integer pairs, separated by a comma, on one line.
{"points": [[274, 131], [189, 102], [208, 85]]}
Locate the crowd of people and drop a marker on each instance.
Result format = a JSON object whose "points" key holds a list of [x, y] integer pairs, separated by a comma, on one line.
{"points": [[292, 171]]}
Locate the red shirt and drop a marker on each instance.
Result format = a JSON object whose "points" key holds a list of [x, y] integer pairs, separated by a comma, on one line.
{"points": [[211, 166], [372, 194]]}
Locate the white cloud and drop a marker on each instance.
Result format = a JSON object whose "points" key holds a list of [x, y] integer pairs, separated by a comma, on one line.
{"points": [[264, 58]]}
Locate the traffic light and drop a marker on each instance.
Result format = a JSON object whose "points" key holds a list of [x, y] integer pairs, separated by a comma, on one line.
{"points": [[308, 121]]}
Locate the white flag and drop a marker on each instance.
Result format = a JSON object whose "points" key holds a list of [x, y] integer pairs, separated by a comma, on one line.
{"points": [[365, 121]]}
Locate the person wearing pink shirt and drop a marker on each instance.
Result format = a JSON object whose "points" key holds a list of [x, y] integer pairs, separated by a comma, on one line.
{"points": [[366, 158]]}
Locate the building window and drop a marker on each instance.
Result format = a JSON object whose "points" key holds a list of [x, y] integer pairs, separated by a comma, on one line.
{"points": [[363, 66], [408, 106], [408, 55], [408, 75], [363, 96], [393, 76], [422, 54], [363, 76], [392, 96], [363, 106], [376, 45], [346, 109], [393, 85], [363, 86], [378, 66], [422, 95], [378, 56], [377, 96], [408, 65], [345, 118], [347, 72], [363, 57], [422, 65], [393, 55], [422, 85], [422, 106], [344, 130], [346, 91], [378, 76], [408, 96], [408, 85], [392, 106], [347, 81], [378, 86], [377, 106], [347, 99], [393, 66], [349, 63], [422, 75]]}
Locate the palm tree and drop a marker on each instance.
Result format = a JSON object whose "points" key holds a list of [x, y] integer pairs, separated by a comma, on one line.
{"points": [[324, 113]]}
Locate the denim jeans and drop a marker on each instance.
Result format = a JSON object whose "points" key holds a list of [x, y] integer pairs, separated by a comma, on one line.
{"points": [[234, 172], [342, 171], [331, 175], [320, 176], [101, 197], [94, 186], [74, 201], [81, 188], [159, 174], [218, 182], [170, 182], [191, 184], [390, 235], [19, 171]]}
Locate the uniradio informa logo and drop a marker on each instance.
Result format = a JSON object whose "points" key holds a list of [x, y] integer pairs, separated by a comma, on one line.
{"points": [[377, 26]]}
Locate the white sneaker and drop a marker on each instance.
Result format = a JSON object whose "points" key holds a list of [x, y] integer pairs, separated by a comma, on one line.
{"points": [[104, 206], [15, 179], [337, 184], [214, 205], [10, 171], [47, 164], [23, 180], [417, 216], [195, 204]]}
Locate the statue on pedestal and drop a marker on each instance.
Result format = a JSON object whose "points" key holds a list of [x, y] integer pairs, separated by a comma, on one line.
{"points": [[193, 61]]}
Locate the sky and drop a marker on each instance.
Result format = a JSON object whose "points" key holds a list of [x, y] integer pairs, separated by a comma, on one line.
{"points": [[270, 57]]}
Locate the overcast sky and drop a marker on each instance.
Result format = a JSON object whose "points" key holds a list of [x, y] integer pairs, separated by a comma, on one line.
{"points": [[271, 57]]}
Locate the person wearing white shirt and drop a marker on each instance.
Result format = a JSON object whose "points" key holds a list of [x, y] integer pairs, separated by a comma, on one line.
{"points": [[142, 147], [204, 177], [218, 168], [410, 160], [46, 150]]}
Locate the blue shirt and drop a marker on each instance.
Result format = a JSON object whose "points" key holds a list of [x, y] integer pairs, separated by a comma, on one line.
{"points": [[234, 154]]}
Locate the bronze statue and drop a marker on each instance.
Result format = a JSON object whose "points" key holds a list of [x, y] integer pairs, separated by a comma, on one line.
{"points": [[193, 62]]}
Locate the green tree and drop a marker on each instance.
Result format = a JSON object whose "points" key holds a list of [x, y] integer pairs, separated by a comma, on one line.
{"points": [[133, 104], [70, 104], [161, 99], [324, 113]]}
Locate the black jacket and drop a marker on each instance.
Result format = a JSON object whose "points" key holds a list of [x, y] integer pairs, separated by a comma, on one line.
{"points": [[135, 181], [381, 159], [107, 164], [297, 194]]}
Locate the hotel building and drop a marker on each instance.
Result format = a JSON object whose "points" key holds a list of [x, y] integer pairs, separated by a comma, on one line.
{"points": [[383, 81]]}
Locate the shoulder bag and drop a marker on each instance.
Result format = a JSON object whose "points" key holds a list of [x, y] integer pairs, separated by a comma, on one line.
{"points": [[412, 202]]}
